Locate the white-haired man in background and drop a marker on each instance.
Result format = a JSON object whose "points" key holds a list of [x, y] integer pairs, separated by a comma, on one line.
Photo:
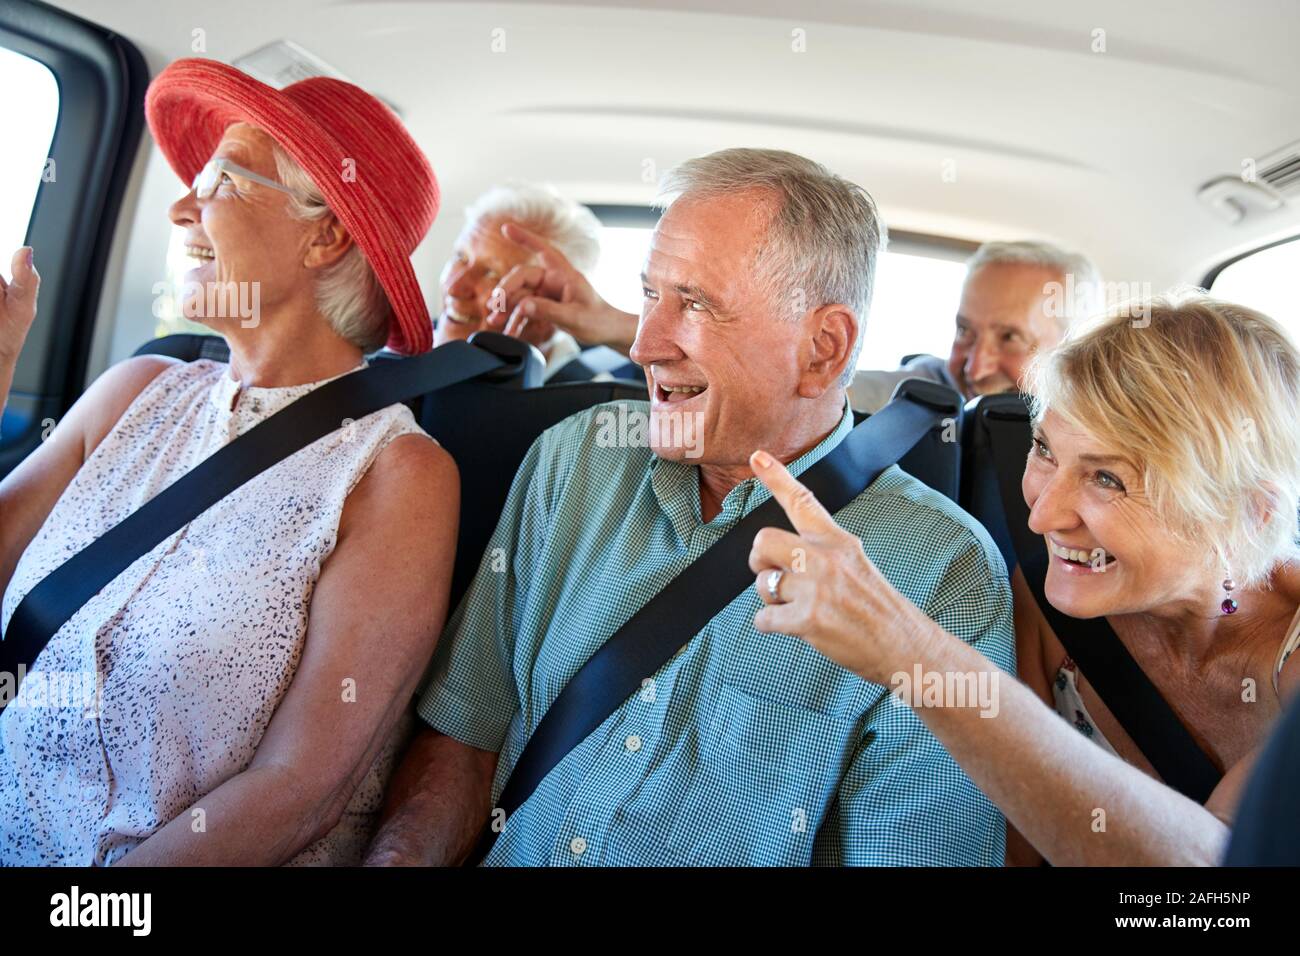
{"points": [[1018, 297], [502, 229]]}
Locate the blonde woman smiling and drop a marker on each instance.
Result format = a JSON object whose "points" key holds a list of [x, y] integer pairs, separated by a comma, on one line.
{"points": [[1173, 448]]}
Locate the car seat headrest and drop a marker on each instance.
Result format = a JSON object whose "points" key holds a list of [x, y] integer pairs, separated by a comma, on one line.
{"points": [[526, 364]]}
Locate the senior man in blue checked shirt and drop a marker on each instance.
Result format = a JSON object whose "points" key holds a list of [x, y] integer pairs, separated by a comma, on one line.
{"points": [[745, 748]]}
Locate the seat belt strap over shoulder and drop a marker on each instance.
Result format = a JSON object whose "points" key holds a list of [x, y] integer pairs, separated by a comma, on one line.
{"points": [[690, 600], [61, 593]]}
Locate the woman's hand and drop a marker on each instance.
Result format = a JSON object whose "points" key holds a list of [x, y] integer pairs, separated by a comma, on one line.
{"points": [[827, 590], [17, 305], [1047, 778]]}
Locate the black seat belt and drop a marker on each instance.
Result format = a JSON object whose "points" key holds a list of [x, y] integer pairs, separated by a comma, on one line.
{"points": [[1118, 680], [696, 594], [62, 592]]}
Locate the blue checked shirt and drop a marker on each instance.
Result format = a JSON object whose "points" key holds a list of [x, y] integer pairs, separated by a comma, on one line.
{"points": [[745, 748]]}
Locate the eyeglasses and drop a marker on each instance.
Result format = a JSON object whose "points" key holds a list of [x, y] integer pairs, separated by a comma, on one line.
{"points": [[209, 177]]}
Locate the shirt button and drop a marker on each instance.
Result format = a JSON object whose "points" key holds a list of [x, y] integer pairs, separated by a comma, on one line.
{"points": [[633, 744], [578, 846]]}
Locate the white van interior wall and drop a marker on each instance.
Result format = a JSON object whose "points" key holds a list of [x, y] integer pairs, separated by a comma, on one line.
{"points": [[1015, 121]]}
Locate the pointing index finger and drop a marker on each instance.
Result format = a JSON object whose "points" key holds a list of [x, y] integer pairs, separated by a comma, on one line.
{"points": [[801, 506]]}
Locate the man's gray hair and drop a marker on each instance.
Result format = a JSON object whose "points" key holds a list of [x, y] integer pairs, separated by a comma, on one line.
{"points": [[569, 226], [824, 239], [1077, 271], [348, 293]]}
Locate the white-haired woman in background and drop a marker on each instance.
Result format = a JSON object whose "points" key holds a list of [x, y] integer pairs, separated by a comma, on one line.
{"points": [[1172, 447], [512, 226]]}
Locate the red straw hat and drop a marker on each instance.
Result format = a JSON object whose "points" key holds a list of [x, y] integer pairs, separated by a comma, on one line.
{"points": [[356, 151]]}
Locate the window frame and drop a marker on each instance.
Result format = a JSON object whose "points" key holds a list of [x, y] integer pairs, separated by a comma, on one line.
{"points": [[625, 215], [935, 247], [101, 78], [1207, 283]]}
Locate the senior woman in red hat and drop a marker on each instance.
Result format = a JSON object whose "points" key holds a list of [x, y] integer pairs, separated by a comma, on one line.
{"points": [[251, 671]]}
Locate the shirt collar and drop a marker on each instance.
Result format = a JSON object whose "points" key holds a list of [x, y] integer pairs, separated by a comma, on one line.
{"points": [[676, 485]]}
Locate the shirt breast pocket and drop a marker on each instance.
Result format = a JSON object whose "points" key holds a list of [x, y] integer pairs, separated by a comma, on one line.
{"points": [[789, 671], [768, 771]]}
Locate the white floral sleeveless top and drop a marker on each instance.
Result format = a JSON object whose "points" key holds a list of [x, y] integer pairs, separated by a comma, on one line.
{"points": [[192, 646]]}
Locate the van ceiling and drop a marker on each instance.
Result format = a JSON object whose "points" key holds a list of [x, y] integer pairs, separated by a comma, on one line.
{"points": [[1039, 135]]}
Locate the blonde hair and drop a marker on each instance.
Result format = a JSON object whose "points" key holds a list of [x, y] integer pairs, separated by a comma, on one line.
{"points": [[1202, 397]]}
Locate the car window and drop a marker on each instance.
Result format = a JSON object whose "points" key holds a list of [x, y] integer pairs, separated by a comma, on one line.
{"points": [[1265, 280], [30, 118], [912, 309], [617, 276], [170, 293]]}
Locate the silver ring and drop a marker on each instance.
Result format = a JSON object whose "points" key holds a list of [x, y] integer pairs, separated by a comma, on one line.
{"points": [[774, 583]]}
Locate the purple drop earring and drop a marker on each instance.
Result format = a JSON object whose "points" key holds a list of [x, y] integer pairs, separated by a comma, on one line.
{"points": [[1229, 605]]}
